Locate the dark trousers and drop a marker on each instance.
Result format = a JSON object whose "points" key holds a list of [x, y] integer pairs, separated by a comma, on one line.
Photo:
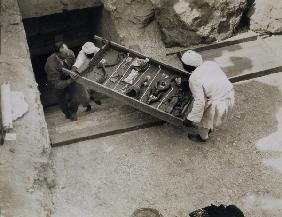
{"points": [[66, 103], [79, 94]]}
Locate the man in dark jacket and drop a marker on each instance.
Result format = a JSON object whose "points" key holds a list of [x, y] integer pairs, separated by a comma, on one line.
{"points": [[65, 86]]}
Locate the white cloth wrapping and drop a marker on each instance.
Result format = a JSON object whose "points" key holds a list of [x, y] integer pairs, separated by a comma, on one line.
{"points": [[13, 105], [89, 48], [82, 62], [213, 95], [192, 58], [6, 106]]}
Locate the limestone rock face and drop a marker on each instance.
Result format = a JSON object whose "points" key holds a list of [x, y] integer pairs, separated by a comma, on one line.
{"points": [[187, 22], [266, 16], [38, 8], [132, 23]]}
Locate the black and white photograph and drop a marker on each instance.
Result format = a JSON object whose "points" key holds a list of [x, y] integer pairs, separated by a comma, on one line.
{"points": [[141, 108]]}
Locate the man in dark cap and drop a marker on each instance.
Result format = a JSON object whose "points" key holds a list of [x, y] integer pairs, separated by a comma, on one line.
{"points": [[66, 87]]}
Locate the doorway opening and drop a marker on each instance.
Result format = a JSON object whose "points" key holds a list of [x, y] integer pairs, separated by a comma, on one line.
{"points": [[73, 27]]}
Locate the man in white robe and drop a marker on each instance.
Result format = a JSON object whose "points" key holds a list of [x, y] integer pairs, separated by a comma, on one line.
{"points": [[88, 51], [213, 95]]}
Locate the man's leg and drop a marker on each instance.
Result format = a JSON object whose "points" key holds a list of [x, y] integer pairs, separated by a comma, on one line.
{"points": [[93, 96], [74, 100], [73, 107], [78, 96], [63, 102]]}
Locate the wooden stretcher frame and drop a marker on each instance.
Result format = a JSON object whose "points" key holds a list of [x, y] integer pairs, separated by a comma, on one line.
{"points": [[137, 104]]}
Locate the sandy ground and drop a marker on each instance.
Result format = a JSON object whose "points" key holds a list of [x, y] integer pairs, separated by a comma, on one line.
{"points": [[160, 168]]}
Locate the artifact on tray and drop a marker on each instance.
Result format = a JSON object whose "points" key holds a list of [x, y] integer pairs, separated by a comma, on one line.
{"points": [[135, 90], [100, 75], [131, 77], [158, 89], [140, 65], [125, 66], [111, 63], [177, 102], [118, 74]]}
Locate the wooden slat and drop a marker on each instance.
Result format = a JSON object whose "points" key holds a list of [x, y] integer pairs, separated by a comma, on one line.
{"points": [[255, 75], [215, 45]]}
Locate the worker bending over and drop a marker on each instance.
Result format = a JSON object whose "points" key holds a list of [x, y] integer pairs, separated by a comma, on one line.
{"points": [[213, 95], [82, 63]]}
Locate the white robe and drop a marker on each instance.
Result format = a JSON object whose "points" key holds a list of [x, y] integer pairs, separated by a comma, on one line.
{"points": [[82, 62], [213, 95]]}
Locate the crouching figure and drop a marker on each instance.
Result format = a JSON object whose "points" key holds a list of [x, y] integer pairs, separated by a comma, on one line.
{"points": [[213, 95]]}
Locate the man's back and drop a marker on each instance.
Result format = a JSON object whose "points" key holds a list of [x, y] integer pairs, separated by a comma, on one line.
{"points": [[53, 68], [212, 79]]}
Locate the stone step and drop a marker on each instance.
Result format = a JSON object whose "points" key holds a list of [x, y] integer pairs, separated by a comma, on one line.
{"points": [[110, 118]]}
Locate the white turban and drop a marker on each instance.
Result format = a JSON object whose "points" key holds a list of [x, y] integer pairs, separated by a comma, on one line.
{"points": [[192, 58], [90, 48]]}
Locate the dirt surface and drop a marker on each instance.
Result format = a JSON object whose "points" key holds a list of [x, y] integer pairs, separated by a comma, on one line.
{"points": [[112, 117], [24, 163], [160, 168]]}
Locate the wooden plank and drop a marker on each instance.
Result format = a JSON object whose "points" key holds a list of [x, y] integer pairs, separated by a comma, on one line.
{"points": [[261, 73], [215, 45]]}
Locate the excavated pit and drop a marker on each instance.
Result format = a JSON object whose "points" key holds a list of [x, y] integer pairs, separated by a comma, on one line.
{"points": [[158, 167], [74, 27]]}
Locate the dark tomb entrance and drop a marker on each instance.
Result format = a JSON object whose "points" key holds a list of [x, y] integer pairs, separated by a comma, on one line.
{"points": [[73, 27]]}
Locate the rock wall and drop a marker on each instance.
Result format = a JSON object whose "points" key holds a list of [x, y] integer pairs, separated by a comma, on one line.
{"points": [[266, 16], [38, 8], [187, 22], [24, 163], [133, 23]]}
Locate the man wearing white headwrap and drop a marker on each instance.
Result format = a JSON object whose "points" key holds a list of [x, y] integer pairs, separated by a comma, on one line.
{"points": [[88, 51], [213, 95]]}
